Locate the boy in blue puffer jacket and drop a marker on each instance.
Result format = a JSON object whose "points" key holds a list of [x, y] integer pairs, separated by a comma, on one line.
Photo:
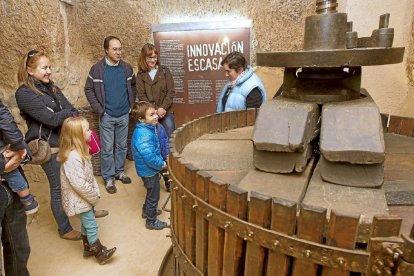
{"points": [[148, 160]]}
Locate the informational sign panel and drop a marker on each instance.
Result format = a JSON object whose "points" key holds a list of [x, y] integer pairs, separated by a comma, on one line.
{"points": [[193, 52]]}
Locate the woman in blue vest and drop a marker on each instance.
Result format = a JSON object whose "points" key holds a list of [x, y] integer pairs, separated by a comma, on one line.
{"points": [[244, 88]]}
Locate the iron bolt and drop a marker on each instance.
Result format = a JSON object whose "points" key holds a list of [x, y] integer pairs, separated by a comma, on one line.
{"points": [[307, 253], [251, 234], [340, 261], [209, 215], [175, 188], [227, 225], [185, 261], [389, 263], [195, 206], [398, 250], [389, 251], [380, 263], [184, 196], [276, 243], [395, 256]]}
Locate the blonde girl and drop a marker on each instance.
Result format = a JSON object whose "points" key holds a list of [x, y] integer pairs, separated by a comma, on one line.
{"points": [[80, 191]]}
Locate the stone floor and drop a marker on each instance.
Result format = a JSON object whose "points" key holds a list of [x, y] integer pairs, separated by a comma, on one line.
{"points": [[140, 251]]}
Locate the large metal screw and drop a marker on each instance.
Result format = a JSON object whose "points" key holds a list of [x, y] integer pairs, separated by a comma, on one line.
{"points": [[195, 206], [326, 6], [184, 196], [251, 234], [276, 243], [209, 215]]}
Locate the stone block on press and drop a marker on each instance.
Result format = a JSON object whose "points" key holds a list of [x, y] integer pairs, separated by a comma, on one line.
{"points": [[285, 125], [287, 186], [281, 162], [354, 175], [352, 132]]}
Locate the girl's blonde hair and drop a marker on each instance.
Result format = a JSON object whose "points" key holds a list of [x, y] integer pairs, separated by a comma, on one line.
{"points": [[72, 138], [147, 51], [30, 60]]}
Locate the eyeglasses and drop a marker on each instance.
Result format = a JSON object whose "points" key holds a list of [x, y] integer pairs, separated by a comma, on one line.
{"points": [[152, 58], [31, 54], [117, 49]]}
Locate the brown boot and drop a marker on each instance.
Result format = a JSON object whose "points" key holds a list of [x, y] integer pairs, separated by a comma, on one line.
{"points": [[86, 247], [102, 254]]}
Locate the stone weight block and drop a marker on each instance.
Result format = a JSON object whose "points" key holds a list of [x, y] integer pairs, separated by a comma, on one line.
{"points": [[281, 162], [286, 125], [352, 132], [354, 175]]}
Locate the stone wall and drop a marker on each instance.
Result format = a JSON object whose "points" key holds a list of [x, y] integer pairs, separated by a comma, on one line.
{"points": [[72, 33]]}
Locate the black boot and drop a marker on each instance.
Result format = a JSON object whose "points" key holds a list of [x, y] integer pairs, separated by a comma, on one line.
{"points": [[86, 247], [102, 254]]}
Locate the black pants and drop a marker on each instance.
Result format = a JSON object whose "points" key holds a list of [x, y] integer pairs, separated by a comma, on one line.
{"points": [[16, 248]]}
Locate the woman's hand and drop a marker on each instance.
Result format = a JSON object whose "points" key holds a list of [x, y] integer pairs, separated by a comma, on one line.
{"points": [[161, 112]]}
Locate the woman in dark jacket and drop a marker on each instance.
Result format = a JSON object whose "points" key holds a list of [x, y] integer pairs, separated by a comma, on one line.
{"points": [[155, 85], [44, 108]]}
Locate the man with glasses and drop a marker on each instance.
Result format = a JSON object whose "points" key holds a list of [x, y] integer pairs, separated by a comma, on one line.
{"points": [[111, 91]]}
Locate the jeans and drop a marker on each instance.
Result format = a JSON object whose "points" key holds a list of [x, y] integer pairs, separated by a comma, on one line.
{"points": [[15, 180], [168, 123], [89, 226], [16, 248], [113, 135], [152, 184], [52, 170]]}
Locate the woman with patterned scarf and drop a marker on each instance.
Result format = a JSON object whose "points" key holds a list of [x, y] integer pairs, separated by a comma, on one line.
{"points": [[244, 88]]}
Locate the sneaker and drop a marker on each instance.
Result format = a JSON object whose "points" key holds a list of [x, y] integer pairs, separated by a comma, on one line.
{"points": [[144, 216], [156, 225], [167, 183], [124, 178], [110, 186], [32, 208]]}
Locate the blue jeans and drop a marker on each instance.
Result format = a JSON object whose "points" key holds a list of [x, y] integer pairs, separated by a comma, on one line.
{"points": [[113, 133], [52, 170], [152, 184], [89, 226], [168, 123], [16, 248], [15, 180]]}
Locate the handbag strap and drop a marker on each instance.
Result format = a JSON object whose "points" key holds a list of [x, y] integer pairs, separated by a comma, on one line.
{"points": [[40, 133]]}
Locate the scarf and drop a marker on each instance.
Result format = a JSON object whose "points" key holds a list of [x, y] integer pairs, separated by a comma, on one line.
{"points": [[232, 83]]}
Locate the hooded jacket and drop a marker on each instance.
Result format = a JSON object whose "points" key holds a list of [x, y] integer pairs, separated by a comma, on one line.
{"points": [[146, 150]]}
